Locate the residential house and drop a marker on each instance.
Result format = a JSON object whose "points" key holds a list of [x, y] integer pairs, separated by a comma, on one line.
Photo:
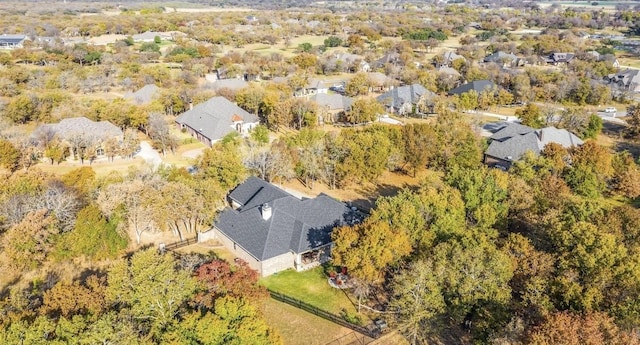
{"points": [[478, 86], [352, 62], [273, 231], [448, 58], [392, 58], [316, 86], [80, 133], [628, 80], [12, 41], [558, 58], [604, 57], [144, 95], [331, 107], [405, 99], [212, 120], [380, 82], [513, 140], [501, 58]]}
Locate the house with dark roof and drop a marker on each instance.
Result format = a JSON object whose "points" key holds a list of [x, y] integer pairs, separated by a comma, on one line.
{"points": [[513, 140], [477, 85], [11, 41], [144, 95], [212, 120], [331, 106], [628, 79], [380, 82], [405, 99], [448, 58], [273, 231], [558, 58]]}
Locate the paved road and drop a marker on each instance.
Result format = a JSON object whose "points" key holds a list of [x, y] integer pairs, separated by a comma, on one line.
{"points": [[149, 155]]}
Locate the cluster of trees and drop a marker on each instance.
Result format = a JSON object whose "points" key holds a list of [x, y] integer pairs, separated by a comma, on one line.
{"points": [[518, 257], [149, 298]]}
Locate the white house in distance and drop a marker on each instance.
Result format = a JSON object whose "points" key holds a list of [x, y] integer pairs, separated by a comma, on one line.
{"points": [[11, 41], [212, 120], [273, 231]]}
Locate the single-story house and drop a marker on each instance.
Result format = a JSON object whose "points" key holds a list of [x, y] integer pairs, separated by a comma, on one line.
{"points": [[150, 36], [380, 82], [80, 133], [558, 58], [144, 95], [405, 99], [501, 58], [11, 41], [477, 85], [448, 58], [273, 231], [513, 140], [331, 106], [316, 86], [212, 120]]}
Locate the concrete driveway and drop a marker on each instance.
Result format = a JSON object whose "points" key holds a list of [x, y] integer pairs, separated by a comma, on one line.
{"points": [[151, 156]]}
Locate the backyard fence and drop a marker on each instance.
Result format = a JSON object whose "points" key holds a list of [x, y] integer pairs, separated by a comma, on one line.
{"points": [[179, 244], [352, 338], [372, 331]]}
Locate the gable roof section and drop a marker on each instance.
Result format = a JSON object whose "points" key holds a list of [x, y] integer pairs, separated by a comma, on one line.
{"points": [[400, 95], [214, 118], [512, 141], [333, 101], [144, 95], [70, 127], [477, 85], [295, 225], [500, 57], [11, 39]]}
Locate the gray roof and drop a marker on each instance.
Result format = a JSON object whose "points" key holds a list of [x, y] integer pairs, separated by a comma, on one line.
{"points": [[333, 101], [448, 70], [477, 85], [500, 57], [11, 39], [70, 127], [215, 118], [451, 56], [295, 225], [512, 141], [378, 78], [145, 95], [401, 95]]}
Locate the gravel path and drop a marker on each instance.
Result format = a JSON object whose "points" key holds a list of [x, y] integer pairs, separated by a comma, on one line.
{"points": [[149, 155]]}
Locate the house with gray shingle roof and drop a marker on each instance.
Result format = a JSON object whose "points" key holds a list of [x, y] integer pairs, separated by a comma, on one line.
{"points": [[331, 106], [477, 85], [80, 133], [502, 58], [273, 231], [405, 99], [212, 120], [513, 140], [145, 95]]}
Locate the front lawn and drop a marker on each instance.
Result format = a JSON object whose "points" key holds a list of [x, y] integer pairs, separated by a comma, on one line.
{"points": [[310, 287]]}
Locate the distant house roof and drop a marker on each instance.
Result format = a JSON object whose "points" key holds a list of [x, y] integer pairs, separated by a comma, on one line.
{"points": [[378, 78], [449, 71], [449, 57], [392, 58], [401, 95], [147, 36], [11, 40], [332, 101], [295, 225], [144, 95], [628, 79], [477, 85], [500, 57], [68, 128], [558, 57], [215, 118], [512, 141]]}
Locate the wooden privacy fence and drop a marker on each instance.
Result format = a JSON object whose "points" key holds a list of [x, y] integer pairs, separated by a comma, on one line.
{"points": [[179, 244], [371, 331]]}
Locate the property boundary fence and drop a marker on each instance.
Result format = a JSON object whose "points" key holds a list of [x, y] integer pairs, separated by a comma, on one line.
{"points": [[353, 338], [179, 244], [372, 331]]}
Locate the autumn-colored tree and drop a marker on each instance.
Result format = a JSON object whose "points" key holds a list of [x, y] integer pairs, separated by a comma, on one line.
{"points": [[9, 155], [530, 115], [28, 243], [364, 110], [68, 299], [566, 328], [369, 248], [419, 145], [221, 279], [358, 85]]}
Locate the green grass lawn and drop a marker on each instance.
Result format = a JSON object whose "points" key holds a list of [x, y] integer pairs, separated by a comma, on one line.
{"points": [[310, 287]]}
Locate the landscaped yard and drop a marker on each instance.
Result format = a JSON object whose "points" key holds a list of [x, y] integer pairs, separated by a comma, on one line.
{"points": [[311, 287]]}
